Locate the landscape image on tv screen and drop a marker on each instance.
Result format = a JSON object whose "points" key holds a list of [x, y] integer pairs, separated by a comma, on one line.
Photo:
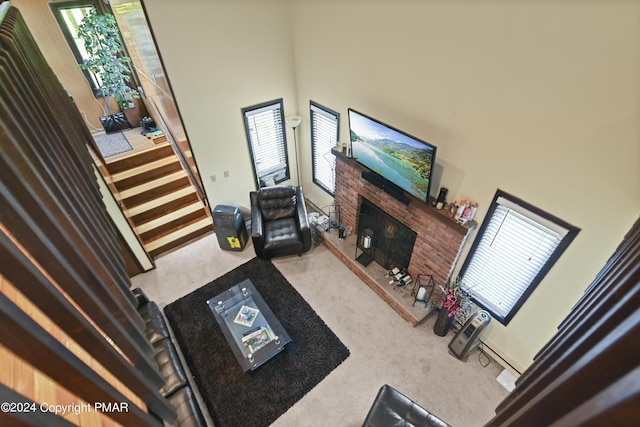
{"points": [[398, 157]]}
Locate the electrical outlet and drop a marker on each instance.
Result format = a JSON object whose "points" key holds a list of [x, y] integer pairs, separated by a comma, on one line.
{"points": [[213, 178], [226, 174]]}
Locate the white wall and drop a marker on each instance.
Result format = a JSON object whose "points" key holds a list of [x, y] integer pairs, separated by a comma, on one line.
{"points": [[222, 56], [540, 99]]}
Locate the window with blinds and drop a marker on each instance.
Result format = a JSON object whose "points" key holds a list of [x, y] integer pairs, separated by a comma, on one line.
{"points": [[516, 246], [324, 135], [264, 124]]}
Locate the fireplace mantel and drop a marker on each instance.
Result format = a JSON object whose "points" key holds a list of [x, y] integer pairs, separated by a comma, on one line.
{"points": [[440, 239]]}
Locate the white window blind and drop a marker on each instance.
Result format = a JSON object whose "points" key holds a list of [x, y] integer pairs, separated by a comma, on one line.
{"points": [[265, 132], [324, 135], [514, 247]]}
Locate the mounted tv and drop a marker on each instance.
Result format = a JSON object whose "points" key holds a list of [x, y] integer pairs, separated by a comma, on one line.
{"points": [[397, 157]]}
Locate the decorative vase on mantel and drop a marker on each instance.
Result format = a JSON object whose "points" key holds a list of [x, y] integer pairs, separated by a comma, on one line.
{"points": [[443, 323]]}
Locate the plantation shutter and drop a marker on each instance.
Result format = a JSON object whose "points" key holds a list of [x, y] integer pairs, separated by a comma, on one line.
{"points": [[265, 131], [514, 248], [324, 135]]}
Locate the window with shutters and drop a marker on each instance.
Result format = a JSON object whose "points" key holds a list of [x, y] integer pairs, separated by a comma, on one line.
{"points": [[324, 135], [264, 124], [515, 248]]}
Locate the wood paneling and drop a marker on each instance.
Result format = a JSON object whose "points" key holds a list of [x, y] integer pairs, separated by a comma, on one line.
{"points": [[59, 250], [49, 302], [21, 334], [588, 374], [57, 53], [27, 418]]}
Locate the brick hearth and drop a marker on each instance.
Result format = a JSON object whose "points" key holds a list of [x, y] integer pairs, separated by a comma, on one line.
{"points": [[440, 239]]}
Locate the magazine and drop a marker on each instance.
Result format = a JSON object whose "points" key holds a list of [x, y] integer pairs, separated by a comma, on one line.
{"points": [[257, 339]]}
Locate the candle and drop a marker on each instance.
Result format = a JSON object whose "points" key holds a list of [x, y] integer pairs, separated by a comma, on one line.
{"points": [[422, 292]]}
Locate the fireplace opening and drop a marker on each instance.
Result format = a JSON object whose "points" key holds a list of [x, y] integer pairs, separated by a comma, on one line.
{"points": [[382, 238]]}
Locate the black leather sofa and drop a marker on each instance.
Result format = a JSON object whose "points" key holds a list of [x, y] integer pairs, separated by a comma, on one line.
{"points": [[392, 408], [279, 223], [176, 385]]}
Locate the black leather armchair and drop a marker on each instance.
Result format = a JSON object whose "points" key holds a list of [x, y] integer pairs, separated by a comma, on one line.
{"points": [[392, 408], [279, 223]]}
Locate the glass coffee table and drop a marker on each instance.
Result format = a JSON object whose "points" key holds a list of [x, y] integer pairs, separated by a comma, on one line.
{"points": [[252, 330]]}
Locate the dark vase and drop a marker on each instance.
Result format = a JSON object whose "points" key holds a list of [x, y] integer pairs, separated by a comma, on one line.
{"points": [[443, 323], [132, 115]]}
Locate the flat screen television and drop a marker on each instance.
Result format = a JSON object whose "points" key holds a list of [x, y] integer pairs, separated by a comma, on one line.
{"points": [[398, 157]]}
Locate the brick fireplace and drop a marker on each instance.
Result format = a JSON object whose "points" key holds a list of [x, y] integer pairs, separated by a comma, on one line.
{"points": [[439, 239]]}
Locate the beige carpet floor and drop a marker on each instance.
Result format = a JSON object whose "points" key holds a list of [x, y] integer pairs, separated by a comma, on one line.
{"points": [[384, 348]]}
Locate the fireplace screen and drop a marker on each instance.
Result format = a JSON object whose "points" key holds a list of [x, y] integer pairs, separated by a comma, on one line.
{"points": [[384, 239]]}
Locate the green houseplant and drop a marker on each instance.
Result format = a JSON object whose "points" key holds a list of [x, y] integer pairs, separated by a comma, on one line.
{"points": [[107, 62]]}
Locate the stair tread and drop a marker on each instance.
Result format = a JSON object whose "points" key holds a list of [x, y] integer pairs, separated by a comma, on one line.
{"points": [[150, 185], [175, 235], [171, 216], [137, 153], [139, 170], [138, 158], [159, 201]]}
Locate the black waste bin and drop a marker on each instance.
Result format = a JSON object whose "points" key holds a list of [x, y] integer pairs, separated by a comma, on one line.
{"points": [[230, 229]]}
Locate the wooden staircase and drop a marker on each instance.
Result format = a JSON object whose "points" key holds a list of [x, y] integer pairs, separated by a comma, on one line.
{"points": [[159, 199]]}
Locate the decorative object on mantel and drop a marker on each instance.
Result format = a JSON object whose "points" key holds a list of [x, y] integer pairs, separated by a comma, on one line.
{"points": [[465, 211], [454, 301], [441, 201], [453, 208]]}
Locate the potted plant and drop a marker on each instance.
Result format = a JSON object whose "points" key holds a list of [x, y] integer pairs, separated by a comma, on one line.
{"points": [[107, 62], [455, 302]]}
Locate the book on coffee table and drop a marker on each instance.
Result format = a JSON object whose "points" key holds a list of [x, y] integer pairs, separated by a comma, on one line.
{"points": [[254, 336], [257, 339]]}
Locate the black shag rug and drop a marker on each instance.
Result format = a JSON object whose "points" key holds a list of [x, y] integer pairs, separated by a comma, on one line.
{"points": [[236, 398]]}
